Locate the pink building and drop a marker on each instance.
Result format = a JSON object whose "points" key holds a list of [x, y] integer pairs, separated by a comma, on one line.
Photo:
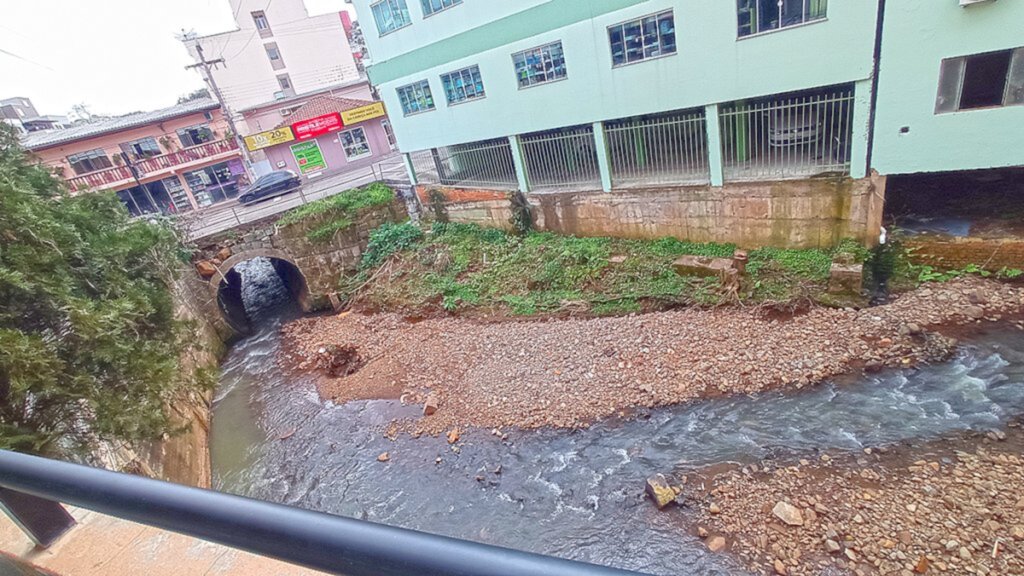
{"points": [[172, 160], [280, 67], [323, 134]]}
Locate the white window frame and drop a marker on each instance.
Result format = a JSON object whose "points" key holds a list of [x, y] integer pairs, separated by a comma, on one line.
{"points": [[429, 11], [953, 73], [544, 51], [391, 5], [414, 86], [341, 142], [644, 46], [804, 20], [461, 74]]}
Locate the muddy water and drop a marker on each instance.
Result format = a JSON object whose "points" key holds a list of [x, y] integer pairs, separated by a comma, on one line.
{"points": [[572, 494]]}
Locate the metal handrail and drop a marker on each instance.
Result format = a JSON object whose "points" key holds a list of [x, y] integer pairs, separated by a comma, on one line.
{"points": [[312, 539]]}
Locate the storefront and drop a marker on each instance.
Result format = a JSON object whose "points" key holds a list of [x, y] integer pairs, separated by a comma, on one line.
{"points": [[326, 136], [216, 183]]}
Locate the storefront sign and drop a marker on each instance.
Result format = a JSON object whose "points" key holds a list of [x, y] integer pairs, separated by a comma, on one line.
{"points": [[309, 157], [317, 126], [363, 113], [269, 138]]}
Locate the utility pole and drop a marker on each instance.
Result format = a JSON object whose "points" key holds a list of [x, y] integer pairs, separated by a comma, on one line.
{"points": [[208, 76]]}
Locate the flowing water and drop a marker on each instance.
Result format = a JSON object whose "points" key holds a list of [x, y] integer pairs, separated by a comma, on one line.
{"points": [[575, 494]]}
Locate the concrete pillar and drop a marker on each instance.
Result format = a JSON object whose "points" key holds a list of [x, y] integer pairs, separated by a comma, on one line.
{"points": [[604, 161], [188, 191], [714, 131], [861, 125], [520, 163], [410, 169]]}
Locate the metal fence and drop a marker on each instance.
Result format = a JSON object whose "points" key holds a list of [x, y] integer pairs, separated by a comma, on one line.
{"points": [[227, 215], [797, 136], [562, 159], [664, 149], [478, 164]]}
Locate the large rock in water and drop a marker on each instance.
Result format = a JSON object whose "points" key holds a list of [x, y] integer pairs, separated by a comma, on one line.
{"points": [[788, 513], [660, 491]]}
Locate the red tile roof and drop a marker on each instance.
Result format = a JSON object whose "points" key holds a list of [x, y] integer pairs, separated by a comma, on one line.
{"points": [[320, 105]]}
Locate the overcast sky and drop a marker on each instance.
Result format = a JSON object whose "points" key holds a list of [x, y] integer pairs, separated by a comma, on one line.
{"points": [[115, 56]]}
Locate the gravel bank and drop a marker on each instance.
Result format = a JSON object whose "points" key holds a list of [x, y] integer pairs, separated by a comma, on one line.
{"points": [[949, 512], [569, 372]]}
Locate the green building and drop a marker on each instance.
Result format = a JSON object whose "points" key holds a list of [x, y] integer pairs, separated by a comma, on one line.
{"points": [[752, 121]]}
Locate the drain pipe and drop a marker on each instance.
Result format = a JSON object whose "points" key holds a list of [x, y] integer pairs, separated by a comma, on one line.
{"points": [[875, 71]]}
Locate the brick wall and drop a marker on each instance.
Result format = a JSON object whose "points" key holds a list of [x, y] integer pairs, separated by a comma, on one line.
{"points": [[950, 253], [793, 214]]}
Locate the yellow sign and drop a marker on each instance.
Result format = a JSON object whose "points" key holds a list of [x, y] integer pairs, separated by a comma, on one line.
{"points": [[363, 113], [269, 138]]}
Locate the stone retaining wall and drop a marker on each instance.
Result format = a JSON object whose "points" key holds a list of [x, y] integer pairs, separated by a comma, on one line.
{"points": [[992, 254], [814, 213]]}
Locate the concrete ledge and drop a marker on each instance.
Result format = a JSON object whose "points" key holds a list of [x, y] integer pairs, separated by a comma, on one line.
{"points": [[105, 546]]}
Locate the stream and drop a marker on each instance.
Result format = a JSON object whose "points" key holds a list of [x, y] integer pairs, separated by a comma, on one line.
{"points": [[574, 494]]}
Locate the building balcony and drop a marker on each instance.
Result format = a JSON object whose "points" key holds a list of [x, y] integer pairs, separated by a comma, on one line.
{"points": [[149, 168]]}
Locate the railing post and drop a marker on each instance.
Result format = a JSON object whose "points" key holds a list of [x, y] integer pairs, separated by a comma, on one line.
{"points": [[410, 168], [237, 219], [714, 134], [603, 159], [861, 122], [516, 144]]}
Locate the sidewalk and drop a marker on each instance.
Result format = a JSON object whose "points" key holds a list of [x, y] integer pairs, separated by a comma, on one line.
{"points": [[102, 545]]}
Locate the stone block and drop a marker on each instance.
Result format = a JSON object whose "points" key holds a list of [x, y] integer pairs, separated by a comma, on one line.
{"points": [[702, 267], [846, 279]]}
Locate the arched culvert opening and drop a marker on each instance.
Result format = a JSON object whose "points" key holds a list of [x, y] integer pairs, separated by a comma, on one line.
{"points": [[259, 288]]}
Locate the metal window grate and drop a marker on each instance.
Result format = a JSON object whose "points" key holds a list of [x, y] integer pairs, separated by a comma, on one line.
{"points": [[562, 159], [665, 149], [486, 164], [797, 136]]}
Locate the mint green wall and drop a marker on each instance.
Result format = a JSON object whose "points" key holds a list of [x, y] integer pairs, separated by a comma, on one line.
{"points": [[711, 66], [438, 26], [918, 34]]}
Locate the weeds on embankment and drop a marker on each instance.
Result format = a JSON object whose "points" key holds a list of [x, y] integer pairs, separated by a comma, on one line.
{"points": [[462, 268]]}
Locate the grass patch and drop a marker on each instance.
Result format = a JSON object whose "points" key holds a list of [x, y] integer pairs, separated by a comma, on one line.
{"points": [[461, 267], [338, 212]]}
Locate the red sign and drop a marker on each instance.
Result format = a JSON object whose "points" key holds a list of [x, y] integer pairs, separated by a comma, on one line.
{"points": [[317, 126]]}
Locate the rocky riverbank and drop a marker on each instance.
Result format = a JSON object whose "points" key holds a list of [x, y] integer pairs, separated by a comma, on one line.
{"points": [[951, 507], [569, 372]]}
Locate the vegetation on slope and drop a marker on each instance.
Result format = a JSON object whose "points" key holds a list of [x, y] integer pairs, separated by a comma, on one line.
{"points": [[338, 212], [459, 267], [89, 347]]}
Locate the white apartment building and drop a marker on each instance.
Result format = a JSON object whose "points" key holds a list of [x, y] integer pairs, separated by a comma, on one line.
{"points": [[277, 52]]}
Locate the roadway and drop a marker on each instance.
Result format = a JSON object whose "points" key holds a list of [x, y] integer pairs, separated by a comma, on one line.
{"points": [[231, 214]]}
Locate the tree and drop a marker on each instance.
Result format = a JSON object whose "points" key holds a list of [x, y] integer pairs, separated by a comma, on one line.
{"points": [[89, 346], [194, 95]]}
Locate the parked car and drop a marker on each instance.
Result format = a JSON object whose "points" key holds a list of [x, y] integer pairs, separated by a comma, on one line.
{"points": [[788, 128], [270, 185]]}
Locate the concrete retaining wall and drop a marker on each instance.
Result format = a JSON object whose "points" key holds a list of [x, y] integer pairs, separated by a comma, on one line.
{"points": [[952, 253], [815, 213]]}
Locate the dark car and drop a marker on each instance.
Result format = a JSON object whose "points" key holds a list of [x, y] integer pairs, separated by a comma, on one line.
{"points": [[270, 185]]}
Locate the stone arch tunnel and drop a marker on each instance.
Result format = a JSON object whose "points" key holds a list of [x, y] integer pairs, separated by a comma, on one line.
{"points": [[226, 285]]}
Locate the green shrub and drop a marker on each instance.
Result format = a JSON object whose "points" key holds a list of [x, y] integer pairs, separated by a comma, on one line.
{"points": [[345, 204], [388, 239]]}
